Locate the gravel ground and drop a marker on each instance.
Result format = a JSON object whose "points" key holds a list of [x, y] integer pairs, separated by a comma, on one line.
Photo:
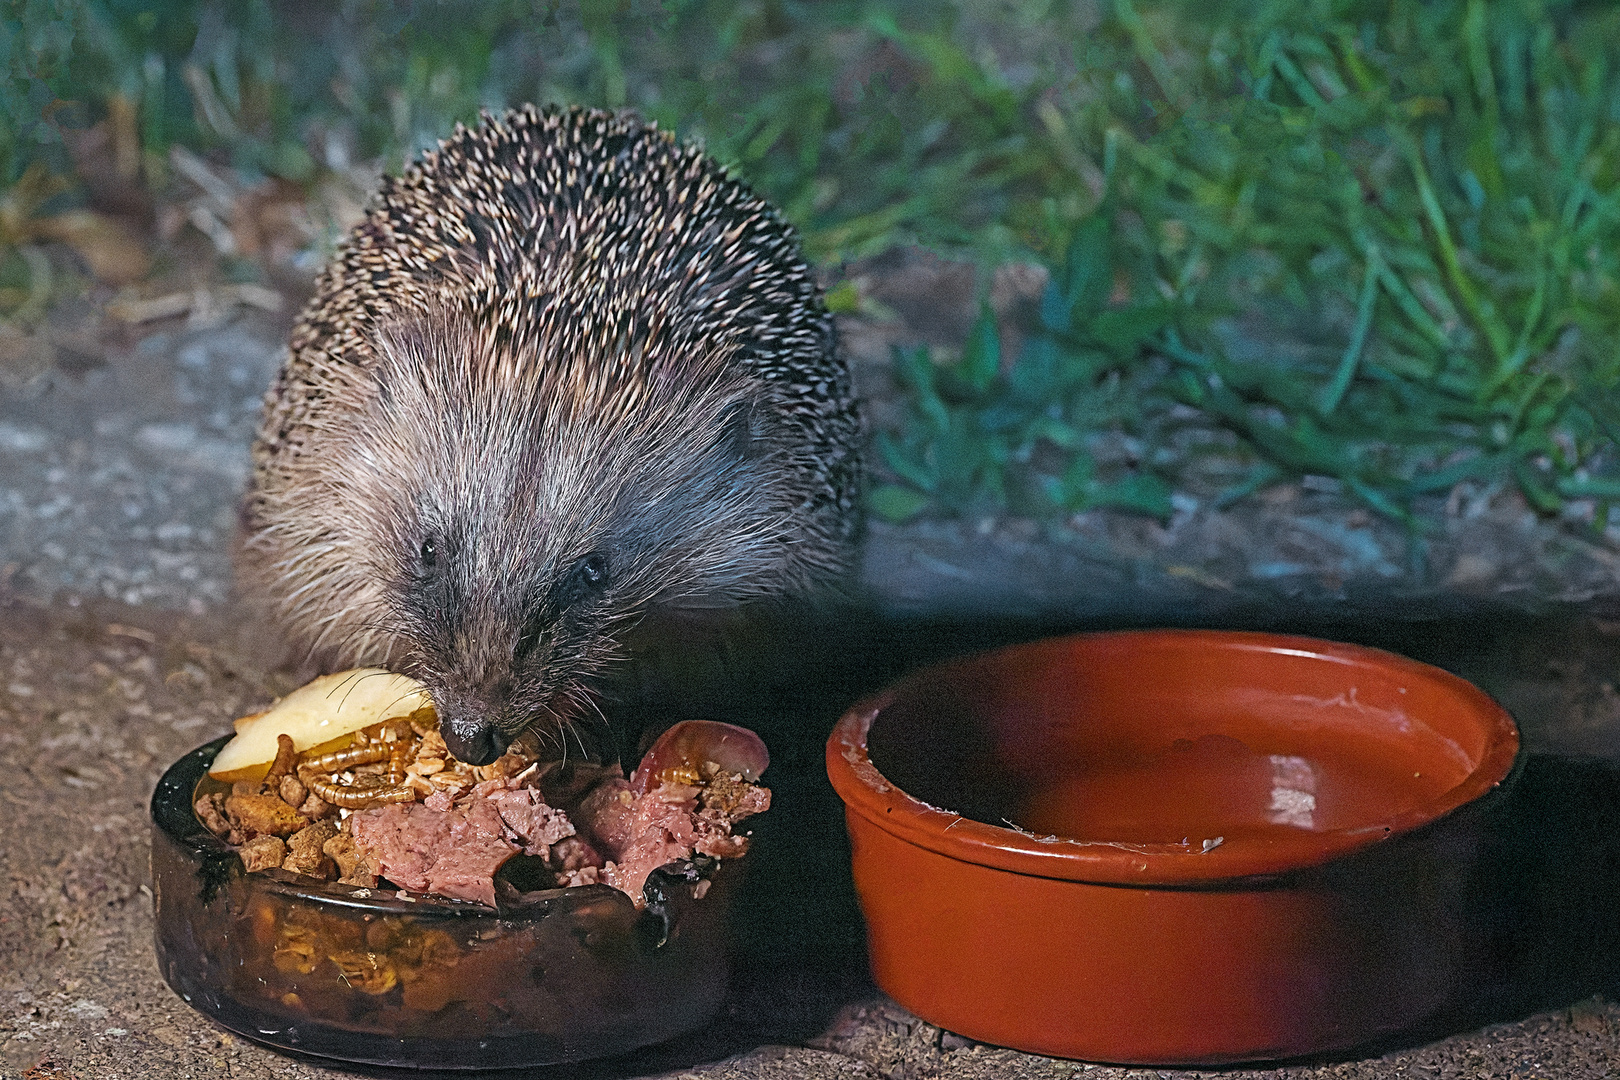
{"points": [[120, 463]]}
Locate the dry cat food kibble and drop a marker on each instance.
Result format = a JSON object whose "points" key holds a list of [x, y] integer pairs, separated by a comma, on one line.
{"points": [[386, 805]]}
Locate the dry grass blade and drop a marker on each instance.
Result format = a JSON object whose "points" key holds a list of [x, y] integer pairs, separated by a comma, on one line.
{"points": [[110, 250]]}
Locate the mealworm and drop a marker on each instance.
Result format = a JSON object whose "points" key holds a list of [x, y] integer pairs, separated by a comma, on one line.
{"points": [[285, 756], [398, 759], [342, 759], [357, 797]]}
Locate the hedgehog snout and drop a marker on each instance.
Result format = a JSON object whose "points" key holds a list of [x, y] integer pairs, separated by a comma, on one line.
{"points": [[470, 716], [473, 739]]}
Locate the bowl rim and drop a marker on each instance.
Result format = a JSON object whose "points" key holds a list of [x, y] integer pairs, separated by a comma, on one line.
{"points": [[866, 792]]}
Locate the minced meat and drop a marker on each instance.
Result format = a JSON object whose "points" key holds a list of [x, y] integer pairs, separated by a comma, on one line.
{"points": [[454, 846], [585, 824]]}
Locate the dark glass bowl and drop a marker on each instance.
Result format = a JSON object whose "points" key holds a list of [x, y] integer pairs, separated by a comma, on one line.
{"points": [[376, 976]]}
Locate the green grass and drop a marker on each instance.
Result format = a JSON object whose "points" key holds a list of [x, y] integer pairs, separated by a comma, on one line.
{"points": [[1425, 193], [1374, 241]]}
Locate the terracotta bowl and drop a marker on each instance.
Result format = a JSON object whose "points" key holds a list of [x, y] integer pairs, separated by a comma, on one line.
{"points": [[1170, 847], [389, 978]]}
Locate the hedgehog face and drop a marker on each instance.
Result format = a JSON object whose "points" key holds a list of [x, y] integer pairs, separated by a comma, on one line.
{"points": [[511, 572], [505, 659]]}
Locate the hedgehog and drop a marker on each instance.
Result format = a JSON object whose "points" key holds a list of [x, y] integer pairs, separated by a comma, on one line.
{"points": [[566, 372]]}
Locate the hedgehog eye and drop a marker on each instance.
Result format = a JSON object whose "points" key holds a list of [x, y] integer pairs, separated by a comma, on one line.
{"points": [[430, 554], [592, 571], [588, 577]]}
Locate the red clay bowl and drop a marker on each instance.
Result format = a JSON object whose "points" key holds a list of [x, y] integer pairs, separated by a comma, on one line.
{"points": [[1170, 847]]}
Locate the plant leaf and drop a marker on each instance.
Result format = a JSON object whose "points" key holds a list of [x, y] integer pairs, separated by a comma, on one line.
{"points": [[912, 471], [1123, 331], [1141, 493], [897, 504], [981, 357], [1088, 275]]}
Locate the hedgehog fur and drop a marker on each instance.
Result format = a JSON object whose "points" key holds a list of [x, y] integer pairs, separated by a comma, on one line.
{"points": [[565, 371]]}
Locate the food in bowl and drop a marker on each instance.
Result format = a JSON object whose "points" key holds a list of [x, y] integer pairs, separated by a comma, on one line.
{"points": [[374, 796], [318, 714]]}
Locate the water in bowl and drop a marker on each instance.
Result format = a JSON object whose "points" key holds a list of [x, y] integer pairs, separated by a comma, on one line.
{"points": [[1218, 786]]}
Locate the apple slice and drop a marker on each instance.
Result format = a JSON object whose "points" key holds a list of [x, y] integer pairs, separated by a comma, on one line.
{"points": [[318, 712], [681, 752]]}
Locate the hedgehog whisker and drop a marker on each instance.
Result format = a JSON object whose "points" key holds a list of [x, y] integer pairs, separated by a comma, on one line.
{"points": [[400, 698], [581, 705], [352, 683]]}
